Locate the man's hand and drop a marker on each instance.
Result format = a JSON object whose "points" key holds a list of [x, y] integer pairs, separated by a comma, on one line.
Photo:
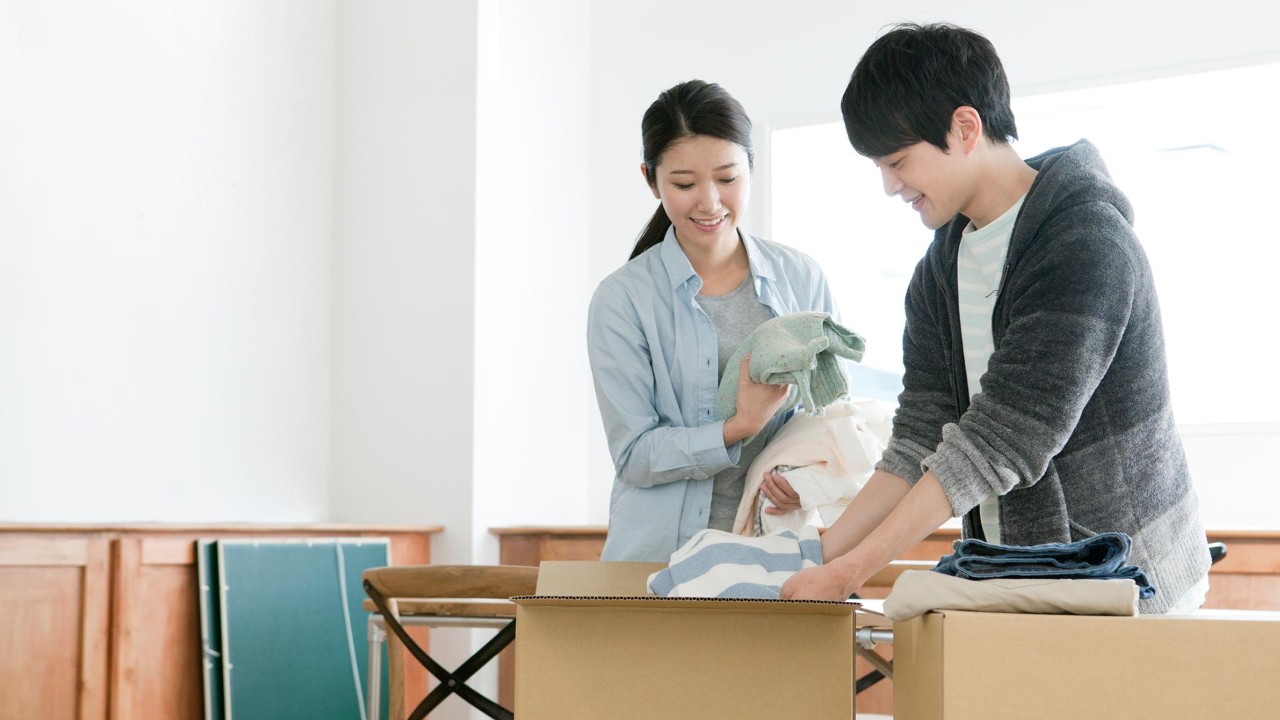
{"points": [[828, 582]]}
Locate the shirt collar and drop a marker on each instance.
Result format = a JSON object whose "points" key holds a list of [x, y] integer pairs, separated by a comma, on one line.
{"points": [[680, 271]]}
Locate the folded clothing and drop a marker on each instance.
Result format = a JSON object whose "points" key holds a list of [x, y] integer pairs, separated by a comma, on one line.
{"points": [[799, 349], [1101, 557], [715, 563], [917, 592]]}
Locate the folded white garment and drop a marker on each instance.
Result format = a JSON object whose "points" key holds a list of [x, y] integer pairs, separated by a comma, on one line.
{"points": [[916, 592], [831, 456]]}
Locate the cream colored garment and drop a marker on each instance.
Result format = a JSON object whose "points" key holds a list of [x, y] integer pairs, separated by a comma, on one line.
{"points": [[832, 454], [916, 592]]}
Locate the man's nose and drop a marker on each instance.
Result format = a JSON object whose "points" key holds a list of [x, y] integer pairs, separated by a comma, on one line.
{"points": [[892, 184]]}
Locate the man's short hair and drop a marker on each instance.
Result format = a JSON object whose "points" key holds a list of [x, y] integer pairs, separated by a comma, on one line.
{"points": [[910, 81]]}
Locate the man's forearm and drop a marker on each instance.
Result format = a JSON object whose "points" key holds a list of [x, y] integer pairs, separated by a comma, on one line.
{"points": [[921, 511]]}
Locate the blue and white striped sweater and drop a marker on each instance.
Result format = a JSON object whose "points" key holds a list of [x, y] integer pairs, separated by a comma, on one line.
{"points": [[719, 564]]}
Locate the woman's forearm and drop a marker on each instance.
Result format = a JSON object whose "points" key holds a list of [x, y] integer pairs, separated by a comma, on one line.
{"points": [[869, 508]]}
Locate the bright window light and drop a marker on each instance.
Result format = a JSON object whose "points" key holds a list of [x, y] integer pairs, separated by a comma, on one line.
{"points": [[1196, 155]]}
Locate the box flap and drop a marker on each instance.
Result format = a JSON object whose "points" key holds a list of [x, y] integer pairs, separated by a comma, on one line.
{"points": [[726, 605], [626, 584], [592, 578]]}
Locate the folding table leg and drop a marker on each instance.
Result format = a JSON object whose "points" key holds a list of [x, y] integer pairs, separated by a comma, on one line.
{"points": [[449, 682], [455, 682]]}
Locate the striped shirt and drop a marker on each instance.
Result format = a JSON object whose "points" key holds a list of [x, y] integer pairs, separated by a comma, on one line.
{"points": [[721, 564], [979, 268]]}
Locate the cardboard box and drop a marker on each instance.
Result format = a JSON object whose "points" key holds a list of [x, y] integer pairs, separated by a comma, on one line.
{"points": [[968, 666], [593, 645]]}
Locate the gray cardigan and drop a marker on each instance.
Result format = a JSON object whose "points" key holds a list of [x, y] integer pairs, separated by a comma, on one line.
{"points": [[1073, 428]]}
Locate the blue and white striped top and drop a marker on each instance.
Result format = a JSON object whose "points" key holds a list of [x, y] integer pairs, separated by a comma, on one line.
{"points": [[979, 268], [718, 564]]}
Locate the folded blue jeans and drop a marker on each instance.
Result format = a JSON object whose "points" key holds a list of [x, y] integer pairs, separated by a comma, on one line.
{"points": [[1102, 557]]}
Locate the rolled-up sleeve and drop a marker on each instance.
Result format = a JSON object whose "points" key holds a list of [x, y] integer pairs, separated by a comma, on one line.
{"points": [[927, 401]]}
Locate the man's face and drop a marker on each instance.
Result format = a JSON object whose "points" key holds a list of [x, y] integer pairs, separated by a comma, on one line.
{"points": [[931, 181]]}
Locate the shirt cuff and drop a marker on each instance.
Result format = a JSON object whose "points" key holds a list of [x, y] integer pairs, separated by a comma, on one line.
{"points": [[712, 456], [903, 458]]}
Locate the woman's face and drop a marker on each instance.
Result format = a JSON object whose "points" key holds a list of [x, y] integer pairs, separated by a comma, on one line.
{"points": [[704, 184]]}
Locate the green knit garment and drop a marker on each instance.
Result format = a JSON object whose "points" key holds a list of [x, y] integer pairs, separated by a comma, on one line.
{"points": [[798, 349]]}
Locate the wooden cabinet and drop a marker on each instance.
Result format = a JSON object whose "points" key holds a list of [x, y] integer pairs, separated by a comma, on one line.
{"points": [[55, 593], [532, 545], [1248, 578], [103, 622]]}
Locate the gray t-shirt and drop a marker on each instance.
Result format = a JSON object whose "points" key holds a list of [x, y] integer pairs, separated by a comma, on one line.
{"points": [[734, 316]]}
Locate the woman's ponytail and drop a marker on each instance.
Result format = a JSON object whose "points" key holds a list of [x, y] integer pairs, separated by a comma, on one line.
{"points": [[653, 233]]}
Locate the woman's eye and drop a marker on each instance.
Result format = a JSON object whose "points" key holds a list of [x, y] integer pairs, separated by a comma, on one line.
{"points": [[680, 186], [729, 181]]}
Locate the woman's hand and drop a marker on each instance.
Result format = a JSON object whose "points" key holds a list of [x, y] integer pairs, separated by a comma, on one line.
{"points": [[779, 492], [757, 403]]}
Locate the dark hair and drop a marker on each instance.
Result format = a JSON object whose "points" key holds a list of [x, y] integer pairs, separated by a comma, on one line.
{"points": [[690, 108], [909, 83]]}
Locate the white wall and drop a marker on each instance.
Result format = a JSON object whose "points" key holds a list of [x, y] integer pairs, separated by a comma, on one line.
{"points": [[245, 247], [404, 267], [404, 262], [165, 195], [533, 204], [789, 62]]}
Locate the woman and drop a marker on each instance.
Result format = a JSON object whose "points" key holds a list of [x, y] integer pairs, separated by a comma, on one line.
{"points": [[661, 328]]}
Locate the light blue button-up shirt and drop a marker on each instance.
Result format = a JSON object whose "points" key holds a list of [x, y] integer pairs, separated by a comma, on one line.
{"points": [[655, 362]]}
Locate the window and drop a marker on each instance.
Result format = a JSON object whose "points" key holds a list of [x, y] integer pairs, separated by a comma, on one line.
{"points": [[1198, 157]]}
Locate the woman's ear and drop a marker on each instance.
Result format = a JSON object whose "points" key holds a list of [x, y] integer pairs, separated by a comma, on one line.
{"points": [[966, 128], [653, 186]]}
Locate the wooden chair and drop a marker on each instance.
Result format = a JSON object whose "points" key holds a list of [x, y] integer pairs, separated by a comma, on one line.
{"points": [[469, 596]]}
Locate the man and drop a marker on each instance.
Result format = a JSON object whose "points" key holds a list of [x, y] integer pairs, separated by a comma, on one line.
{"points": [[1036, 400]]}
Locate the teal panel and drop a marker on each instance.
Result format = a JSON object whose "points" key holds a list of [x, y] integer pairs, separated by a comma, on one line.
{"points": [[210, 628], [287, 652]]}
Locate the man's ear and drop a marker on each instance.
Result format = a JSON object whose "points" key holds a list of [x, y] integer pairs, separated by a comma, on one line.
{"points": [[653, 187], [966, 128]]}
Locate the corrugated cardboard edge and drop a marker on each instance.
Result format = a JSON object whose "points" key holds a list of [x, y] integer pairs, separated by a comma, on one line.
{"points": [[814, 607]]}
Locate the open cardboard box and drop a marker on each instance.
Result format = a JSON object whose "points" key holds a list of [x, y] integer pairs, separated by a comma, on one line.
{"points": [[593, 644], [951, 665]]}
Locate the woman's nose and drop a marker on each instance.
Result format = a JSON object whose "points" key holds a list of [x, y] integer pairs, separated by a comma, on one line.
{"points": [[709, 198]]}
